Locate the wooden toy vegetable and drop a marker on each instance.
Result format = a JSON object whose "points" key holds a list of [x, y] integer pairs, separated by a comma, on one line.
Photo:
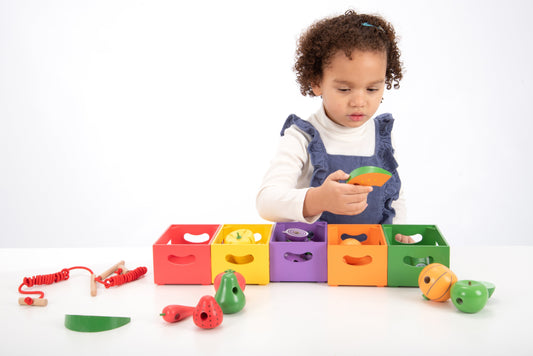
{"points": [[240, 236], [229, 294], [296, 234], [435, 281], [174, 313], [207, 314]]}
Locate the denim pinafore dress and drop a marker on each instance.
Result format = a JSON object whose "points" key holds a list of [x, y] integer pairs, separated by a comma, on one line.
{"points": [[379, 210]]}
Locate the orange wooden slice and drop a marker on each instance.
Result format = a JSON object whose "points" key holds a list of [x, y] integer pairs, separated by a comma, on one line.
{"points": [[369, 175]]}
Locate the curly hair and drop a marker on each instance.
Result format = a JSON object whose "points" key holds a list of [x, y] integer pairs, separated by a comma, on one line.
{"points": [[347, 32]]}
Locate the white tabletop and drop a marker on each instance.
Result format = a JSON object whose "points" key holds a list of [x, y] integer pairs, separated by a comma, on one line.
{"points": [[281, 318]]}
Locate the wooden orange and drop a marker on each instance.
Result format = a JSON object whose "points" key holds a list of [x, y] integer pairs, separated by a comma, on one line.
{"points": [[350, 241], [369, 175], [376, 179], [435, 281]]}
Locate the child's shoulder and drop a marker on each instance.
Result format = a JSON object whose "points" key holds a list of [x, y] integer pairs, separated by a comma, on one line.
{"points": [[384, 123], [296, 125], [385, 117]]}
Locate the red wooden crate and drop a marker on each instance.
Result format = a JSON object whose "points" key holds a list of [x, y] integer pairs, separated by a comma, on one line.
{"points": [[180, 260]]}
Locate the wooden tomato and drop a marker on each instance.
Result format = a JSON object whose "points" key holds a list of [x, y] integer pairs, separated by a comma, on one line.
{"points": [[435, 281]]}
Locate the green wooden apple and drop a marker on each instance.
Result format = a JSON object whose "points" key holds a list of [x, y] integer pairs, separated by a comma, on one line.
{"points": [[470, 296]]}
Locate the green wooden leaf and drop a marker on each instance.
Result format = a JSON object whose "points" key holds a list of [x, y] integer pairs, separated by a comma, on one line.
{"points": [[91, 323]]}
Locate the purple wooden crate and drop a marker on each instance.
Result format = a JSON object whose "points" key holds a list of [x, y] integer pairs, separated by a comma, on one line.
{"points": [[299, 261]]}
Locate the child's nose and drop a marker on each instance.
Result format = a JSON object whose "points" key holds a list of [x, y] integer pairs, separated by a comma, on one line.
{"points": [[357, 99]]}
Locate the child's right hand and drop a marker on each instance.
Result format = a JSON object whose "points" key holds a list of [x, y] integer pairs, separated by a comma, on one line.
{"points": [[335, 197]]}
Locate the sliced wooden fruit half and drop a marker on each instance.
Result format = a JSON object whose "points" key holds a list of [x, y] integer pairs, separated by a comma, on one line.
{"points": [[369, 175]]}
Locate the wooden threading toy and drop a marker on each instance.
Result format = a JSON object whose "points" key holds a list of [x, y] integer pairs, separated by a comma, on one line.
{"points": [[123, 275]]}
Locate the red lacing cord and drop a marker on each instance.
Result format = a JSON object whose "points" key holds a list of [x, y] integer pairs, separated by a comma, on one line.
{"points": [[62, 275], [120, 279]]}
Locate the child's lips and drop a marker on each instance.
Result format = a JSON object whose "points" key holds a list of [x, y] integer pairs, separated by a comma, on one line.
{"points": [[356, 117]]}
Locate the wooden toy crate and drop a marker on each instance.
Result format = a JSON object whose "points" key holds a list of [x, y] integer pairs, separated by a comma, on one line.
{"points": [[362, 265], [406, 261], [249, 259], [182, 255], [299, 261]]}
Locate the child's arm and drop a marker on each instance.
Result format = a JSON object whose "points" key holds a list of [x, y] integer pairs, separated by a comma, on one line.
{"points": [[285, 184], [335, 197], [285, 195]]}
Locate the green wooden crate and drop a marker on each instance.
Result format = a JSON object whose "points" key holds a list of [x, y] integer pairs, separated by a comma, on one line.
{"points": [[406, 261]]}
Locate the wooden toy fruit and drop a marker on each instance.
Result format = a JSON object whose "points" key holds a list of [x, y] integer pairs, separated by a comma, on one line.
{"points": [[229, 294], [241, 236], [240, 278], [174, 313], [435, 281], [470, 296], [490, 287], [350, 241], [369, 175], [207, 314]]}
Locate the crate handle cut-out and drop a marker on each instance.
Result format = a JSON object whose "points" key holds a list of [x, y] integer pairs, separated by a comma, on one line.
{"points": [[418, 261], [239, 260], [181, 260], [196, 239], [298, 257], [360, 237], [357, 261]]}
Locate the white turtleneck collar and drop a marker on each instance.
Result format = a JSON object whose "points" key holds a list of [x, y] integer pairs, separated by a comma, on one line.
{"points": [[338, 139]]}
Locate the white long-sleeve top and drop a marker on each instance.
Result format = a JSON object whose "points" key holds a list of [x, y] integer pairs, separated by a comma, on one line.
{"points": [[285, 184]]}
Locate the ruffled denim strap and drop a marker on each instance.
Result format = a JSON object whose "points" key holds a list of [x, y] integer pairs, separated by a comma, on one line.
{"points": [[385, 153], [315, 148]]}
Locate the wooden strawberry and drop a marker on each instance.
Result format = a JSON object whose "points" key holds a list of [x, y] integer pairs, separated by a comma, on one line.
{"points": [[207, 314]]}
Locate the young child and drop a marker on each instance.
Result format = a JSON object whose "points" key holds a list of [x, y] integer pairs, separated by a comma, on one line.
{"points": [[348, 60]]}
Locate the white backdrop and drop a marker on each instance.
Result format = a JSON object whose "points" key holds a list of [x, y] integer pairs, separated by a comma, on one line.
{"points": [[119, 118]]}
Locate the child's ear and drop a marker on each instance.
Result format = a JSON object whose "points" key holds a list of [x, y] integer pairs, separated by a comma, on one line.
{"points": [[317, 90]]}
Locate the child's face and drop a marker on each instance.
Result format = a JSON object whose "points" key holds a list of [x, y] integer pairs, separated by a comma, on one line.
{"points": [[352, 89]]}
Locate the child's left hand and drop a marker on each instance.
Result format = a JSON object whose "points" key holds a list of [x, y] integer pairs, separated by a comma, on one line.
{"points": [[336, 197]]}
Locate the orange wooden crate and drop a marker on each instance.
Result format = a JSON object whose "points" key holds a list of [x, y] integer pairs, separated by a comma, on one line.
{"points": [[357, 265]]}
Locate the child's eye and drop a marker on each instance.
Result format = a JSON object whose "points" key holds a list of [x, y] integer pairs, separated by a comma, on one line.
{"points": [[372, 89], [344, 90]]}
